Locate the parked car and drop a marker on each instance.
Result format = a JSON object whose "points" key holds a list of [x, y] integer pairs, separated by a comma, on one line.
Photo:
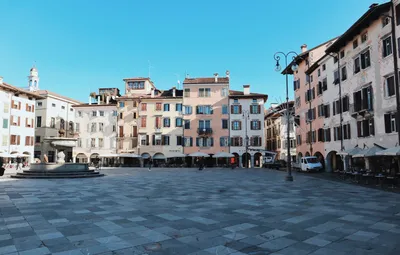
{"points": [[310, 164]]}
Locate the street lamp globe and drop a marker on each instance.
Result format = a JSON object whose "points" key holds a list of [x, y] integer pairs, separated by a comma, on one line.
{"points": [[295, 67], [278, 67]]}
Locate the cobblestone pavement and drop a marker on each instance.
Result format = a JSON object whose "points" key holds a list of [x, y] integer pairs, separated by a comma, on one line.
{"points": [[185, 211]]}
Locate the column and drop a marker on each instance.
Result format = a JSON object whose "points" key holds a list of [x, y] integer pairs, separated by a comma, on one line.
{"points": [[252, 161], [141, 162], [240, 161], [367, 166]]}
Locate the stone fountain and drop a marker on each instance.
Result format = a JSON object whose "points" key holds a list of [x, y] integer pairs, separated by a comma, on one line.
{"points": [[60, 169]]}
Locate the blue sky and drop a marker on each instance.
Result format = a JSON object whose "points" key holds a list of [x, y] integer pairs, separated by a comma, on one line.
{"points": [[80, 45]]}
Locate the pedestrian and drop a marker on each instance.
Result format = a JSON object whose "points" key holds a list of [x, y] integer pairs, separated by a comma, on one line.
{"points": [[201, 164], [150, 163], [18, 164]]}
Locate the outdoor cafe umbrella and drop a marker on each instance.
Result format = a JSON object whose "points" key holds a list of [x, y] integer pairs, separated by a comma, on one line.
{"points": [[108, 155], [370, 152], [223, 155], [350, 152], [7, 155], [395, 151], [179, 155], [129, 155], [198, 154]]}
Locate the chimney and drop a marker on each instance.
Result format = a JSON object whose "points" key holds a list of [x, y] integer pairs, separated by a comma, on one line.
{"points": [[246, 89], [227, 73], [107, 99], [152, 92], [303, 48], [98, 100], [173, 92], [216, 77], [1, 80]]}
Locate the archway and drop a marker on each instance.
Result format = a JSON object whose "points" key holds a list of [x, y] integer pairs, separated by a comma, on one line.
{"points": [[333, 162], [246, 159], [81, 158], [236, 157], [93, 156], [299, 156], [320, 158], [307, 154], [159, 159], [146, 159], [258, 159]]}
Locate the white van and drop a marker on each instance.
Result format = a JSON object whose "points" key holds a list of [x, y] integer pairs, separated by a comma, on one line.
{"points": [[309, 164]]}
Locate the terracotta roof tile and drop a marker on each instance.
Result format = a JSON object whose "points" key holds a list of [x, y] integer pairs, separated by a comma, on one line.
{"points": [[46, 92], [207, 80], [19, 90]]}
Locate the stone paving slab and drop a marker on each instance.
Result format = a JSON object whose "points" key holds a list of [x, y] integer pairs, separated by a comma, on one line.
{"points": [[184, 211]]}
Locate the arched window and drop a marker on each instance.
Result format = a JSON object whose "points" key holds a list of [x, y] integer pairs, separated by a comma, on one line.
{"points": [[35, 84]]}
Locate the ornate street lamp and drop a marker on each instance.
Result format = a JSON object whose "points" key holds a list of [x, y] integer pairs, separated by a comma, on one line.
{"points": [[278, 68]]}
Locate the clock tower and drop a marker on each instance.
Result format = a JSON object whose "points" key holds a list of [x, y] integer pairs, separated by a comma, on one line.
{"points": [[33, 79]]}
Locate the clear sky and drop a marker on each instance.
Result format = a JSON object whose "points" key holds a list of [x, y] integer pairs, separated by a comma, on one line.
{"points": [[81, 45]]}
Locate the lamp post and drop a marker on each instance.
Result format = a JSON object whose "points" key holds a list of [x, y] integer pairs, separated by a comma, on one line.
{"points": [[246, 117], [294, 67]]}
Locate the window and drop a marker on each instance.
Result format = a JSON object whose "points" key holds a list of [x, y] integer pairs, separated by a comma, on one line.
{"points": [[310, 94], [323, 67], [94, 113], [178, 107], [188, 141], [121, 115], [187, 110], [224, 92], [365, 60], [355, 43], [357, 66], [387, 46], [390, 123], [298, 139], [179, 140], [255, 109], [143, 107], [178, 122], [342, 54], [136, 85], [255, 125], [167, 122], [101, 127], [53, 105], [71, 109], [236, 141], [296, 84], [93, 142], [204, 124], [364, 37], [157, 123], [365, 127], [204, 142], [344, 73], [204, 109], [187, 124], [236, 125], [390, 88], [255, 141], [236, 109], [114, 127], [224, 109], [158, 106], [224, 141], [121, 104], [346, 132], [335, 59], [39, 104], [186, 93], [39, 121], [79, 114], [166, 107], [224, 124], [363, 99], [63, 107], [204, 92], [297, 102], [5, 123], [144, 140], [236, 100], [319, 72], [93, 127], [336, 77], [398, 14], [77, 128], [164, 140], [327, 135], [53, 122], [101, 113], [101, 142]]}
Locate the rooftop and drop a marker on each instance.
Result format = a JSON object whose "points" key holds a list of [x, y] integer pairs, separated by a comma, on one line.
{"points": [[9, 87], [206, 80], [45, 93], [240, 94]]}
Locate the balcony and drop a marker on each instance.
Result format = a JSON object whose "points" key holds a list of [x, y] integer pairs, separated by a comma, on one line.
{"points": [[204, 131], [363, 110]]}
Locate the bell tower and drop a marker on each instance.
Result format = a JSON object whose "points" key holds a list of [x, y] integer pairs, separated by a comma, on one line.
{"points": [[33, 79]]}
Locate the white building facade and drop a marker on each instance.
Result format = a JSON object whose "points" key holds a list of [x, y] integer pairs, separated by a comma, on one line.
{"points": [[246, 125]]}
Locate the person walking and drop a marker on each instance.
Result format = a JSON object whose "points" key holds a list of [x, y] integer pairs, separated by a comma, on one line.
{"points": [[18, 164], [150, 163], [201, 164]]}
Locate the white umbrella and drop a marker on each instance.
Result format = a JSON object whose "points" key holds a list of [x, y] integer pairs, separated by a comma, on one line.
{"points": [[179, 155], [108, 155], [369, 152], [350, 152], [129, 155], [20, 155], [223, 155], [198, 154], [395, 151], [7, 155]]}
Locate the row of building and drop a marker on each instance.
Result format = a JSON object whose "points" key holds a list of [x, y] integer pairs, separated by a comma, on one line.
{"points": [[204, 116], [345, 91]]}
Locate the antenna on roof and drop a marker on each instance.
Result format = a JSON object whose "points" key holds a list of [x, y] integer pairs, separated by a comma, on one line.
{"points": [[178, 81]]}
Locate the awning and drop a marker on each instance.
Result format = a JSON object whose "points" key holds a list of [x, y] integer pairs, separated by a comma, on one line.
{"points": [[159, 156], [145, 155], [108, 155], [199, 154], [129, 155], [350, 152], [178, 155], [223, 155], [370, 152], [395, 151], [7, 155]]}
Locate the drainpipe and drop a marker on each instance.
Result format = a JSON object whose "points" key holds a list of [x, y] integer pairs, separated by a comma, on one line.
{"points": [[340, 104], [310, 109]]}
